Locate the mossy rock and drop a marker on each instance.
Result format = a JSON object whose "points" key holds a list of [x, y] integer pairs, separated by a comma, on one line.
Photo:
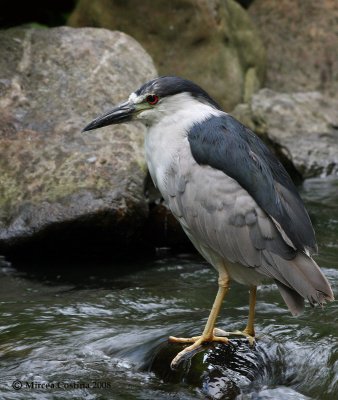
{"points": [[52, 83], [213, 43]]}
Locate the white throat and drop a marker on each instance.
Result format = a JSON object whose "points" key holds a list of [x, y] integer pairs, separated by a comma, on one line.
{"points": [[167, 133]]}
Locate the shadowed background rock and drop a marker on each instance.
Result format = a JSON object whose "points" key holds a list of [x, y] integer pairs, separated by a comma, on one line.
{"points": [[301, 38]]}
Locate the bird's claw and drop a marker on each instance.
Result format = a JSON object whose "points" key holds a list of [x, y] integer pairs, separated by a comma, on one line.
{"points": [[245, 333], [197, 341], [174, 339]]}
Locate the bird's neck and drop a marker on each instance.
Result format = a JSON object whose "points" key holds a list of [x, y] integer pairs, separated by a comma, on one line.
{"points": [[167, 137]]}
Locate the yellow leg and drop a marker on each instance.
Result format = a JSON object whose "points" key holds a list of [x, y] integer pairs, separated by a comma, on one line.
{"points": [[249, 331], [208, 333]]}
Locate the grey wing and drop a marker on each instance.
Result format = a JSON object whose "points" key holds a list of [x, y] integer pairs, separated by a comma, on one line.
{"points": [[216, 211], [219, 215]]}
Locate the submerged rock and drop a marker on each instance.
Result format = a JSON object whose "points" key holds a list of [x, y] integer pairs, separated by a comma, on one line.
{"points": [[302, 128], [213, 43], [219, 371], [234, 371], [54, 180]]}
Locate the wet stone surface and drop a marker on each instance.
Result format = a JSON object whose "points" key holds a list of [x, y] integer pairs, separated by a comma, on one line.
{"points": [[221, 371]]}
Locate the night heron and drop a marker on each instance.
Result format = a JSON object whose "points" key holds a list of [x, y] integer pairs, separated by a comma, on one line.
{"points": [[231, 195]]}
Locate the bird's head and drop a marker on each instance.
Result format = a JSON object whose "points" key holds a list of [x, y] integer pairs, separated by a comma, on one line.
{"points": [[153, 100]]}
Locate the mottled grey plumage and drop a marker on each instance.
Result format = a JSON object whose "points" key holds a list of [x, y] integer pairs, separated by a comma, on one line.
{"points": [[231, 195], [224, 221]]}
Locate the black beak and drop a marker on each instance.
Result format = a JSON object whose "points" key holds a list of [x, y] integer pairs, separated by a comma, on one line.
{"points": [[121, 113]]}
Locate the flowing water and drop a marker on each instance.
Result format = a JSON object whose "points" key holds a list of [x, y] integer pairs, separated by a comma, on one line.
{"points": [[100, 332]]}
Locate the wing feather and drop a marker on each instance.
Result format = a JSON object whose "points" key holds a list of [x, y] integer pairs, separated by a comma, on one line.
{"points": [[225, 144], [235, 227], [225, 223]]}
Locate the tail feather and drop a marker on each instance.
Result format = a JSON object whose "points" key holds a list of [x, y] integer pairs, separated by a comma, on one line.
{"points": [[318, 280], [300, 278], [293, 300]]}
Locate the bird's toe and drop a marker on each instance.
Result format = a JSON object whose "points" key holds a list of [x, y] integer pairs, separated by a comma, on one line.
{"points": [[249, 335], [197, 342], [175, 339]]}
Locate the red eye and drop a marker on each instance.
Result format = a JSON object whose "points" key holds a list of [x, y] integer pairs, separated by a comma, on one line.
{"points": [[152, 99]]}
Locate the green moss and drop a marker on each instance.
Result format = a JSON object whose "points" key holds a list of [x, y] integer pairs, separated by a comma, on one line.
{"points": [[10, 190], [251, 84]]}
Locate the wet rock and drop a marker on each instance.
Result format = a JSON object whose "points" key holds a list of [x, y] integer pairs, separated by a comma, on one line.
{"points": [[302, 128], [211, 42], [76, 188], [219, 371], [301, 38]]}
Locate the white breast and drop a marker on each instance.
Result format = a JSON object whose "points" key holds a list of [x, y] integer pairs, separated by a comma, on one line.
{"points": [[168, 134]]}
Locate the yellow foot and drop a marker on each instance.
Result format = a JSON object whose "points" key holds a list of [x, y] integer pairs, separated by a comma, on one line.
{"points": [[245, 333], [197, 342]]}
